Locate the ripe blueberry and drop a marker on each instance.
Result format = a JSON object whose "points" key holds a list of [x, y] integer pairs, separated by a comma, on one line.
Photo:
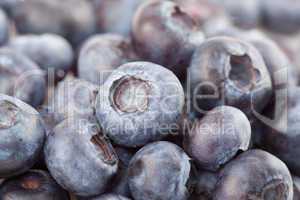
{"points": [[217, 137], [228, 71], [49, 51], [257, 175], [139, 103], [79, 157], [159, 170], [22, 136]]}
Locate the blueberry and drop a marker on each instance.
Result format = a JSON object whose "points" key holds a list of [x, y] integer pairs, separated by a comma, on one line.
{"points": [[115, 16], [75, 23], [296, 181], [73, 97], [34, 185], [164, 34], [255, 174], [228, 71], [22, 136], [80, 158], [281, 16], [101, 54], [139, 103], [49, 51], [109, 197], [20, 77], [277, 62], [159, 170], [217, 137], [4, 28]]}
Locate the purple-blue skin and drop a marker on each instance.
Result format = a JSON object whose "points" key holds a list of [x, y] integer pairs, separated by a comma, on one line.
{"points": [[217, 137], [76, 23], [49, 51], [282, 137], [281, 16], [73, 97], [80, 158], [222, 28], [296, 181], [228, 71], [278, 64], [101, 54], [33, 185], [115, 16], [244, 14], [22, 136], [108, 197], [159, 170], [279, 52], [139, 103], [8, 5], [4, 28], [163, 33], [255, 174], [280, 68], [21, 77], [282, 74]]}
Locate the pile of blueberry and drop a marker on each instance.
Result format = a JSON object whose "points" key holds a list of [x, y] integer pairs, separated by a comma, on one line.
{"points": [[149, 100]]}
